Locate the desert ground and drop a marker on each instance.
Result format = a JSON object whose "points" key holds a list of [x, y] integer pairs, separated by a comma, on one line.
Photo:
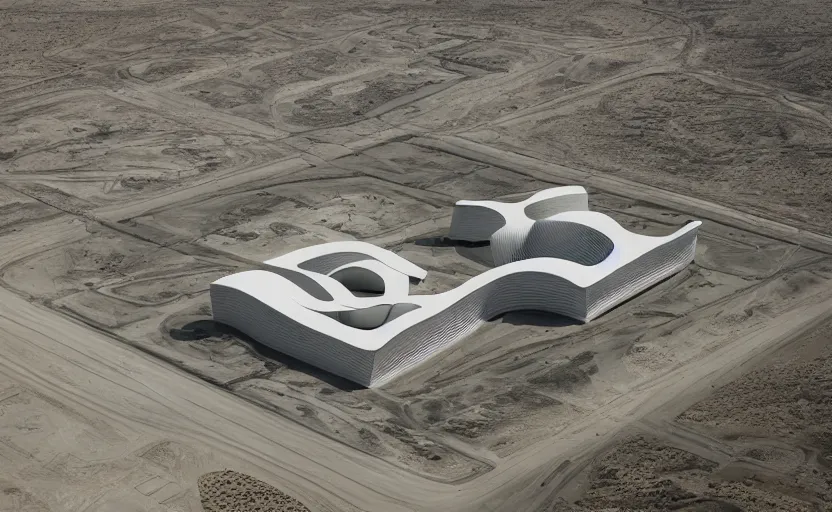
{"points": [[148, 148]]}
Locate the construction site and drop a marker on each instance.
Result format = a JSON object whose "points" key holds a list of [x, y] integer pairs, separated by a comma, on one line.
{"points": [[147, 149]]}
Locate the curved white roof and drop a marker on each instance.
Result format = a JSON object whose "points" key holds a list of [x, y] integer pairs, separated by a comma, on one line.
{"points": [[626, 264]]}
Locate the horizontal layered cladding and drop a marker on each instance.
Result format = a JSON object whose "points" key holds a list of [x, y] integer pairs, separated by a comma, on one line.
{"points": [[566, 240], [326, 263], [507, 243], [428, 338], [513, 292], [473, 223], [535, 290], [400, 309], [641, 273], [577, 202], [282, 333]]}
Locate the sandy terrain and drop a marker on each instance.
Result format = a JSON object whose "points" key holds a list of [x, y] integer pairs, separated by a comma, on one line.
{"points": [[148, 148], [761, 442]]}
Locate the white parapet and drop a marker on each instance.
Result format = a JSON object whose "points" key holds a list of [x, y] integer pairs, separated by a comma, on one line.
{"points": [[345, 307]]}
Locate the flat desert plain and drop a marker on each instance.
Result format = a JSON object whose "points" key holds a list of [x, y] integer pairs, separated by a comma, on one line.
{"points": [[148, 148]]}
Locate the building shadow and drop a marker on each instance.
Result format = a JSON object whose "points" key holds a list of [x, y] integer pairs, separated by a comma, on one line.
{"points": [[443, 241], [207, 330], [481, 255], [478, 252], [536, 318]]}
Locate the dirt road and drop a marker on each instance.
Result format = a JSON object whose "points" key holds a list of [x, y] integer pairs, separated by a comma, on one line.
{"points": [[126, 398]]}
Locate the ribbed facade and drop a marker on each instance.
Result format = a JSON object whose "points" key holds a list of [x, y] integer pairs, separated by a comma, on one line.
{"points": [[550, 254]]}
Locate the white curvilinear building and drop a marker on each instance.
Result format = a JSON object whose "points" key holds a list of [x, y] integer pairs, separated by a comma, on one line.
{"points": [[345, 307]]}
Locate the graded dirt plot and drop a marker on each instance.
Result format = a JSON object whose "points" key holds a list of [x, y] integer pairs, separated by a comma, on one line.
{"points": [[158, 70], [358, 420], [120, 266], [761, 442], [436, 171], [77, 157], [646, 474], [680, 132], [147, 150], [170, 36], [785, 47], [18, 210], [251, 91], [371, 94], [782, 403], [484, 56], [263, 223]]}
